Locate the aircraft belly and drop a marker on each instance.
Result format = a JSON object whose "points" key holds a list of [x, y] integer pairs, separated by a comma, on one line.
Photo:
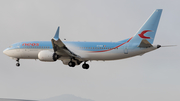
{"points": [[115, 55], [103, 56], [28, 53]]}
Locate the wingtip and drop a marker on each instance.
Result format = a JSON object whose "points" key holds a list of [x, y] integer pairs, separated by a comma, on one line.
{"points": [[159, 10], [56, 36]]}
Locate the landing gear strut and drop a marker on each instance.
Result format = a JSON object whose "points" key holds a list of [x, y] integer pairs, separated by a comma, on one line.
{"points": [[85, 66], [71, 63], [17, 64]]}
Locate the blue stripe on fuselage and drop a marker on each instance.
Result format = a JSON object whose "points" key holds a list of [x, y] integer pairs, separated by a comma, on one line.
{"points": [[86, 46]]}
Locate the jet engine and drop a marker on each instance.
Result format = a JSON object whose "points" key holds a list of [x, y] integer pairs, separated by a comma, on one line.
{"points": [[48, 56]]}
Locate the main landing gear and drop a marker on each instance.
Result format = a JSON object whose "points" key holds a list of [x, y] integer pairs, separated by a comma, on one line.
{"points": [[73, 64], [17, 64]]}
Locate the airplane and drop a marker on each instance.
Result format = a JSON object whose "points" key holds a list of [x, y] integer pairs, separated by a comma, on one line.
{"points": [[74, 53]]}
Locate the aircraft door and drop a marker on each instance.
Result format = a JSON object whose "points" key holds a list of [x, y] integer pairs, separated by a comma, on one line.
{"points": [[18, 46], [126, 48]]}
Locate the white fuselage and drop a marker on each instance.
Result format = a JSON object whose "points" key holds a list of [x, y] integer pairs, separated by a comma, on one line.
{"points": [[32, 53]]}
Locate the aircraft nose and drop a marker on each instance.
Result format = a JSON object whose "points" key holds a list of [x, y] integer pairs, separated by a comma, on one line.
{"points": [[5, 51]]}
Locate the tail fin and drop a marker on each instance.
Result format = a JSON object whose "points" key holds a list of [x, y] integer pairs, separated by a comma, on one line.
{"points": [[148, 30]]}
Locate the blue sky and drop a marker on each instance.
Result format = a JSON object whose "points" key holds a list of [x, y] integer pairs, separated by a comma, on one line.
{"points": [[153, 76]]}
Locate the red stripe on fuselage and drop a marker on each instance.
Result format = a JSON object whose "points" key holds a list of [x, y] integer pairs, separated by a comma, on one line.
{"points": [[114, 47]]}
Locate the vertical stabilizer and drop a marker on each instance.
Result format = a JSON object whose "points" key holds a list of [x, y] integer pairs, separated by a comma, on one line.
{"points": [[148, 30]]}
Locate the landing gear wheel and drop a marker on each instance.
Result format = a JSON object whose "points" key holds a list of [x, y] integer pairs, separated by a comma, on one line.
{"points": [[17, 64], [85, 66], [71, 64]]}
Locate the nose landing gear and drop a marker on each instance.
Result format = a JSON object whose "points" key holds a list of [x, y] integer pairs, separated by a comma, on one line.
{"points": [[17, 64]]}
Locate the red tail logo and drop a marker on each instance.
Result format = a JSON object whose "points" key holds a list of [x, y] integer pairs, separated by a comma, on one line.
{"points": [[144, 32]]}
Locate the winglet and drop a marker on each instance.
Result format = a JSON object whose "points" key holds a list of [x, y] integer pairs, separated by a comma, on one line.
{"points": [[56, 36]]}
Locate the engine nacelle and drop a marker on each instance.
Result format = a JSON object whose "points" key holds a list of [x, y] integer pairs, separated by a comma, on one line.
{"points": [[48, 56]]}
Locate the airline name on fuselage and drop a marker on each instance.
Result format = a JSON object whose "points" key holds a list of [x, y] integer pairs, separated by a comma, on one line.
{"points": [[30, 44]]}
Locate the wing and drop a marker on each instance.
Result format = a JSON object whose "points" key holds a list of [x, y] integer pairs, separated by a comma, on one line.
{"points": [[61, 49]]}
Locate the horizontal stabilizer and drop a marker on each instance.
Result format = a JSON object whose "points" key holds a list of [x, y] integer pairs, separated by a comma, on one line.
{"points": [[144, 44], [168, 45]]}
